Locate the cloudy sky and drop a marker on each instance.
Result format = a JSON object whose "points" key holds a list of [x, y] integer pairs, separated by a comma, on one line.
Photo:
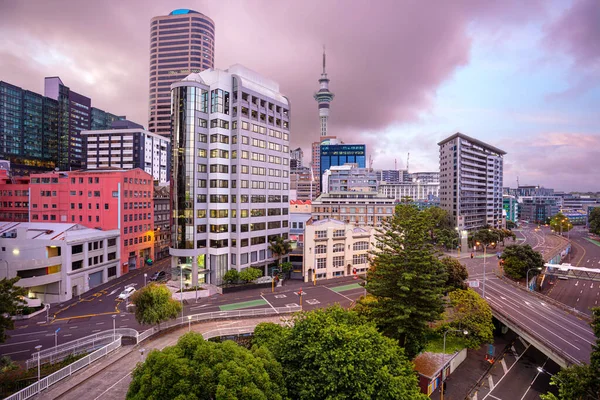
{"points": [[521, 75]]}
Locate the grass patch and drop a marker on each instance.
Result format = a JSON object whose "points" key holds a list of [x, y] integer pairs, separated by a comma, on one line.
{"points": [[346, 287], [453, 344]]}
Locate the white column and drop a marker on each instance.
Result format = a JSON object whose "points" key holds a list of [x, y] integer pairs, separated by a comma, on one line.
{"points": [[195, 271]]}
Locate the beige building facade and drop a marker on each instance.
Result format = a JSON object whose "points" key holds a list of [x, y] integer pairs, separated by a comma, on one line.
{"points": [[334, 249], [359, 208]]}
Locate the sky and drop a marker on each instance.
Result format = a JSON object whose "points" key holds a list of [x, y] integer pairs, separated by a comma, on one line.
{"points": [[523, 76]]}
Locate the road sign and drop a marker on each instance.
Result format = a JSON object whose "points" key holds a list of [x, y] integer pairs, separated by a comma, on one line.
{"points": [[474, 283], [56, 331]]}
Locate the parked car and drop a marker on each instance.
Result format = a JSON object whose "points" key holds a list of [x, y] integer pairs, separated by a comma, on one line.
{"points": [[158, 276], [127, 292]]}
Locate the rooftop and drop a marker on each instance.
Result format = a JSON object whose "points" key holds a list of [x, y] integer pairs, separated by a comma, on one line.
{"points": [[48, 231], [473, 140]]}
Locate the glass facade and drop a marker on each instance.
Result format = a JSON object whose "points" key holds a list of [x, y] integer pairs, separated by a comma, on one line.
{"points": [[340, 154]]}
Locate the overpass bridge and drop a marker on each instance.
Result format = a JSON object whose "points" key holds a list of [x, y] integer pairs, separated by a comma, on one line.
{"points": [[567, 271], [561, 333]]}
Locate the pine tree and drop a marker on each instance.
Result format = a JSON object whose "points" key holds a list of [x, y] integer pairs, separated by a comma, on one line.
{"points": [[406, 279]]}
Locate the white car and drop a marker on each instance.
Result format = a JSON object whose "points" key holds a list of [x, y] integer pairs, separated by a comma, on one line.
{"points": [[125, 294]]}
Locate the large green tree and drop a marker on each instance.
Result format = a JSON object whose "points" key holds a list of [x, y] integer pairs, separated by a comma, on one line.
{"points": [[154, 304], [337, 354], [11, 299], [471, 312], [517, 259], [250, 274], [580, 381], [594, 220], [198, 369], [406, 279], [456, 273]]}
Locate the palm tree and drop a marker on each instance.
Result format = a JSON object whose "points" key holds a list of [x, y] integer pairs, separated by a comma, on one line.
{"points": [[280, 247]]}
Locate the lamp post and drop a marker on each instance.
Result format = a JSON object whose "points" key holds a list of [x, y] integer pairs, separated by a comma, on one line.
{"points": [[457, 242], [484, 258], [181, 289], [114, 317], [465, 332], [145, 276], [38, 348], [189, 323], [538, 269]]}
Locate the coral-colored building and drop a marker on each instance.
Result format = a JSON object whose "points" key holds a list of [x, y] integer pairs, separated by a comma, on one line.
{"points": [[14, 197], [103, 199]]}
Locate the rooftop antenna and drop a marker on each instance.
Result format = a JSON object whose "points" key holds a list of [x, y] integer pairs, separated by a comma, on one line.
{"points": [[517, 181], [407, 160], [395, 164]]}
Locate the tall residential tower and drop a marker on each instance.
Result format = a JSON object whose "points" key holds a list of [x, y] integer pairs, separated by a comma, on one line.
{"points": [[471, 174], [181, 43]]}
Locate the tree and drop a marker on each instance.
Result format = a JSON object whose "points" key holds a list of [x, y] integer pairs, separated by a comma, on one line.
{"points": [[457, 273], [594, 220], [337, 354], [406, 279], [231, 276], [154, 304], [560, 223], [11, 299], [510, 225], [286, 267], [580, 381], [471, 312], [250, 274], [198, 369], [280, 247], [517, 260]]}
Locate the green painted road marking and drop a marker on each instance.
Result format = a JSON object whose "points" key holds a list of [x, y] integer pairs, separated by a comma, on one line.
{"points": [[245, 304], [486, 256], [597, 243], [346, 287]]}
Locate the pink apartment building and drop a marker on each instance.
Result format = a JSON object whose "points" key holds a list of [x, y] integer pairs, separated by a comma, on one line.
{"points": [[14, 197], [103, 199]]}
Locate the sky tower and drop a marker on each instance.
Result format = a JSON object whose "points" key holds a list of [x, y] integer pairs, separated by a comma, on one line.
{"points": [[324, 97]]}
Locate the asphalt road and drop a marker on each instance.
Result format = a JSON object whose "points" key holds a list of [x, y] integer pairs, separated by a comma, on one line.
{"points": [[94, 311], [579, 294]]}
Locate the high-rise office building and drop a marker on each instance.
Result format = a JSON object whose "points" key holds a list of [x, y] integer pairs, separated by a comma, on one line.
{"points": [[40, 133], [471, 174], [332, 153], [181, 43], [296, 158], [230, 172], [128, 145], [349, 178]]}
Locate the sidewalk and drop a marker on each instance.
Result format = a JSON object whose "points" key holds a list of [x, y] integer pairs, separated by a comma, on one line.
{"points": [[110, 377]]}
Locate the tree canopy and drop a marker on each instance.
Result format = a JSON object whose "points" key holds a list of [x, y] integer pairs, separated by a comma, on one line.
{"points": [[11, 299], [580, 381], [594, 220], [280, 247], [154, 304], [518, 259], [198, 369], [406, 279], [471, 312], [456, 273], [231, 276], [337, 354], [560, 223], [250, 274]]}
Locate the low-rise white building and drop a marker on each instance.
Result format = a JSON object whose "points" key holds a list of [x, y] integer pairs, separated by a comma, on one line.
{"points": [[57, 261], [334, 249]]}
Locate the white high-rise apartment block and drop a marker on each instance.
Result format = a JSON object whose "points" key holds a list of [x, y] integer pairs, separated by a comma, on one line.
{"points": [[230, 173], [416, 191], [128, 146], [471, 174]]}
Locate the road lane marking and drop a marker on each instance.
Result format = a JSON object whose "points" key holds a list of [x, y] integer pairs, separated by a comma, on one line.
{"points": [[274, 309], [99, 323], [96, 330], [504, 367], [67, 335], [16, 352], [15, 344], [502, 377], [490, 383], [115, 384], [73, 327], [343, 295], [30, 333]]}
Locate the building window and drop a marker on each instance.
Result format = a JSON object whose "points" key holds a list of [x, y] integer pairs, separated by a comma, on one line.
{"points": [[338, 261], [360, 246], [338, 233], [321, 263], [321, 249], [338, 248], [359, 259], [321, 234]]}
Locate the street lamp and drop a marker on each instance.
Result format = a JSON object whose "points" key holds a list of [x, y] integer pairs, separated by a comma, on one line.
{"points": [[38, 348], [457, 242], [114, 317], [484, 258], [145, 275], [538, 269], [465, 332], [189, 323]]}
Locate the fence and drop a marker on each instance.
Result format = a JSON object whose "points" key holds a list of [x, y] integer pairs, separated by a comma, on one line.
{"points": [[51, 379], [79, 345]]}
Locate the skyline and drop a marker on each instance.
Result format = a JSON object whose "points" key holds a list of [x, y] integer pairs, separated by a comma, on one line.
{"points": [[406, 75]]}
